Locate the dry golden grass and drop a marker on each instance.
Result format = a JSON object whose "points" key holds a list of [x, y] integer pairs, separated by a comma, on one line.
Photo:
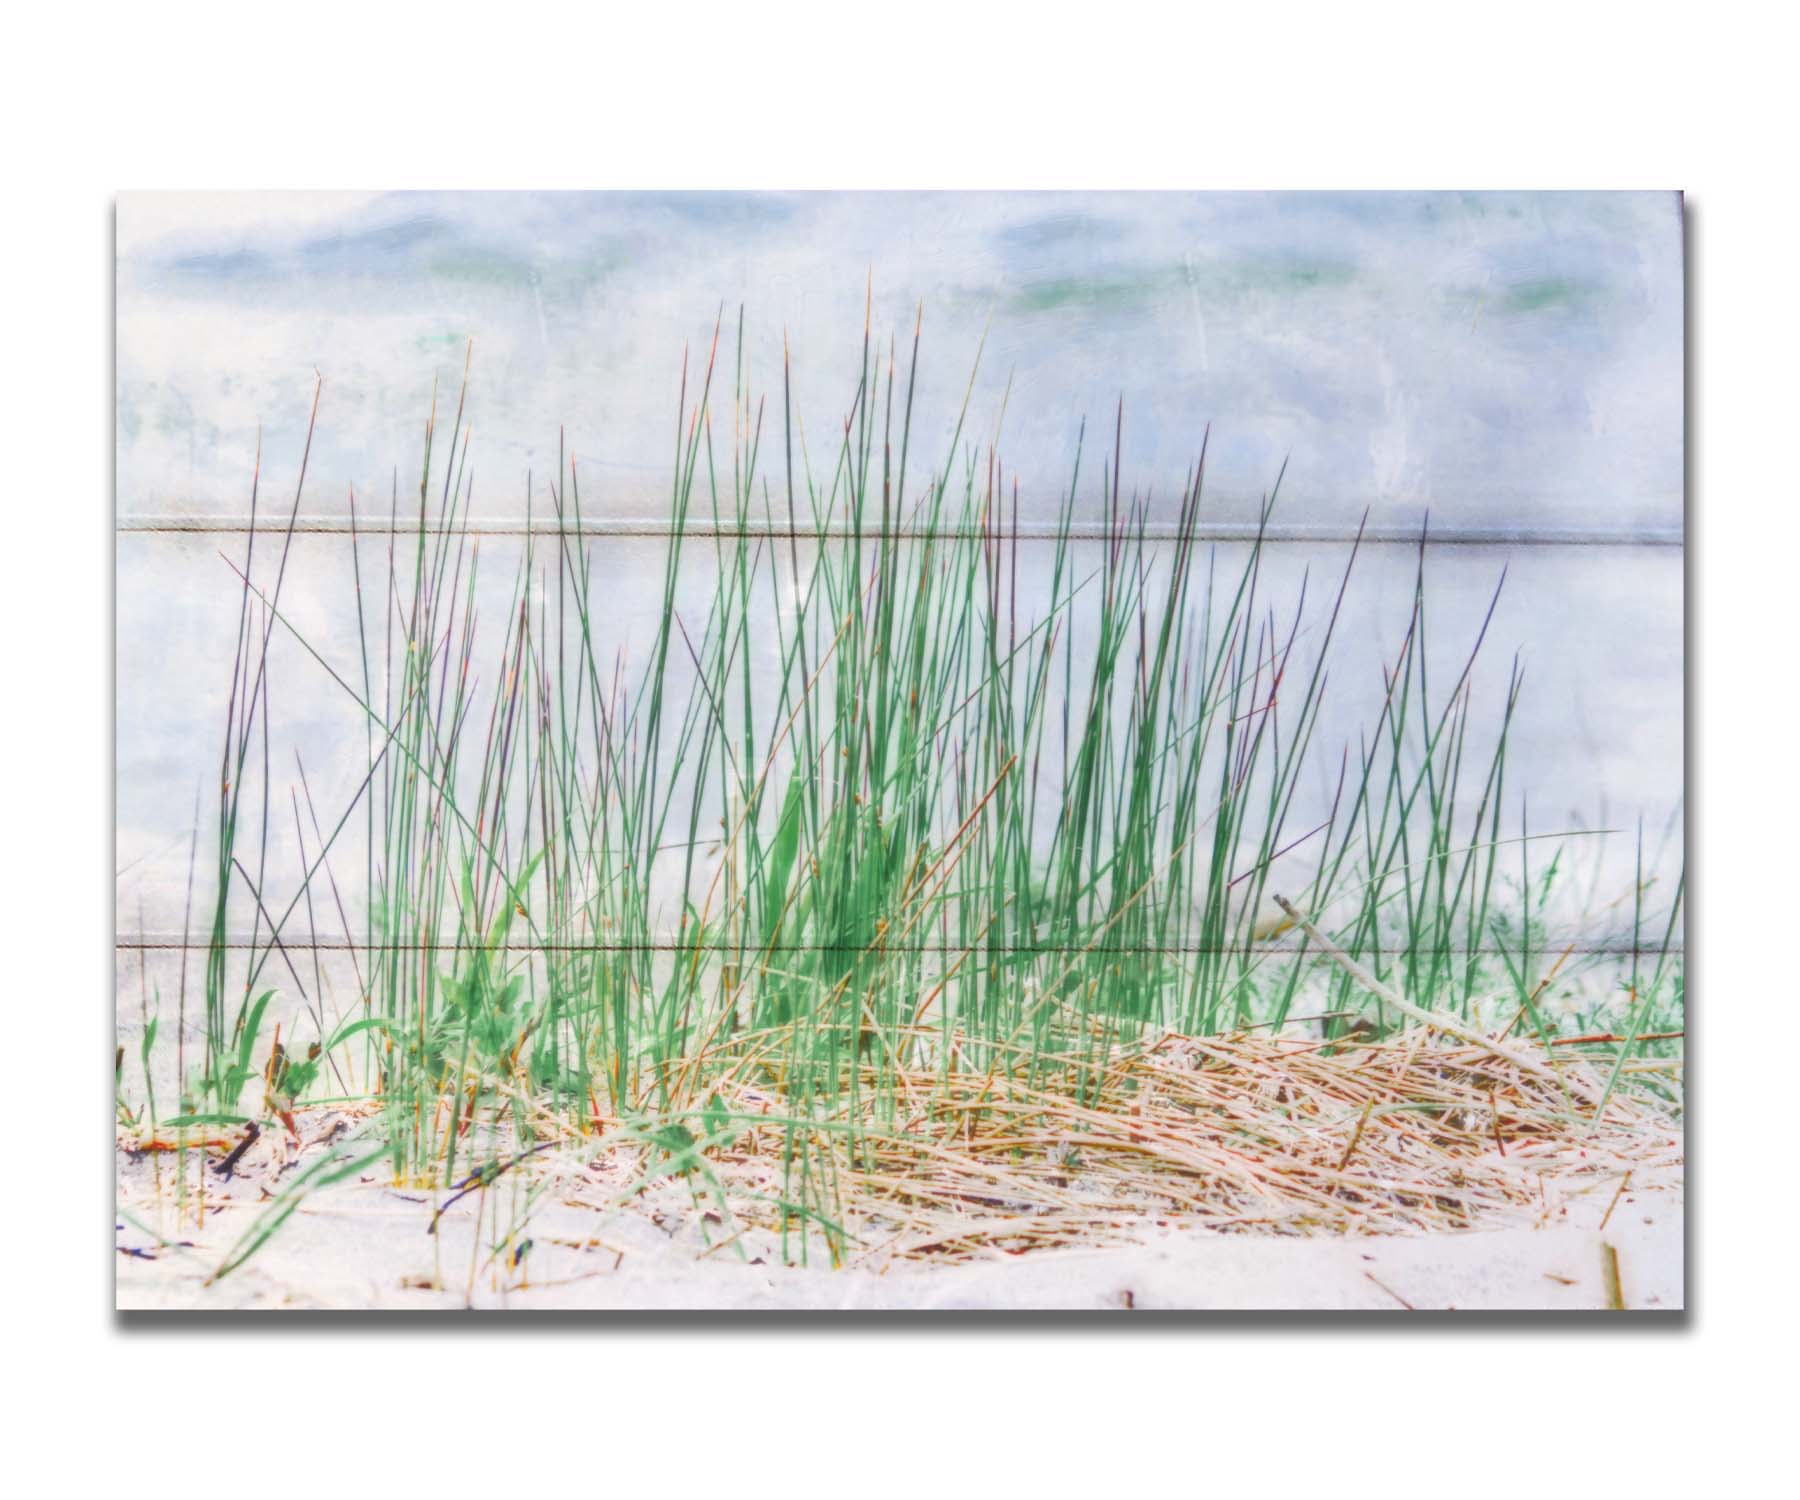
{"points": [[1238, 1133], [1244, 1133]]}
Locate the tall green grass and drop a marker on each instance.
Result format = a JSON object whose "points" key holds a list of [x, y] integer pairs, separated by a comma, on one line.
{"points": [[888, 791]]}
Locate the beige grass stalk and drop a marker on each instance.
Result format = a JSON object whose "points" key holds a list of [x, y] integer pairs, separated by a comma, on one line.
{"points": [[1434, 1019]]}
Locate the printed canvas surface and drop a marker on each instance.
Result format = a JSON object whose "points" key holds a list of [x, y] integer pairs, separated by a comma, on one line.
{"points": [[989, 751]]}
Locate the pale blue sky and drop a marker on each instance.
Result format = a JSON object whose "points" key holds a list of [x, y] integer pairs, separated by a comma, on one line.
{"points": [[1503, 359]]}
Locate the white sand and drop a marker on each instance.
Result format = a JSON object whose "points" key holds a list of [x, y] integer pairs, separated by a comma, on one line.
{"points": [[364, 1245]]}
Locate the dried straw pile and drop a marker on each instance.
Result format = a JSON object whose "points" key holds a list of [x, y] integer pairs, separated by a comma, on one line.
{"points": [[962, 1159], [1240, 1133]]}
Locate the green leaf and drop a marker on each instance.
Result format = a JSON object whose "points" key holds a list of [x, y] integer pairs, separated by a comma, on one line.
{"points": [[716, 1116], [344, 1033], [782, 855], [673, 1138]]}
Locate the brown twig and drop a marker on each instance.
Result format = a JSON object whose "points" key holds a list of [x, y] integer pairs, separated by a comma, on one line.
{"points": [[1608, 1036], [229, 1164]]}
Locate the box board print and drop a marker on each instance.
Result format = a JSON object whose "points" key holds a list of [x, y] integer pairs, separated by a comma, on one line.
{"points": [[990, 751]]}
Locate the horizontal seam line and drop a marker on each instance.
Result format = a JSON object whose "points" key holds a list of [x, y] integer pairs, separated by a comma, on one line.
{"points": [[244, 945], [1084, 532]]}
